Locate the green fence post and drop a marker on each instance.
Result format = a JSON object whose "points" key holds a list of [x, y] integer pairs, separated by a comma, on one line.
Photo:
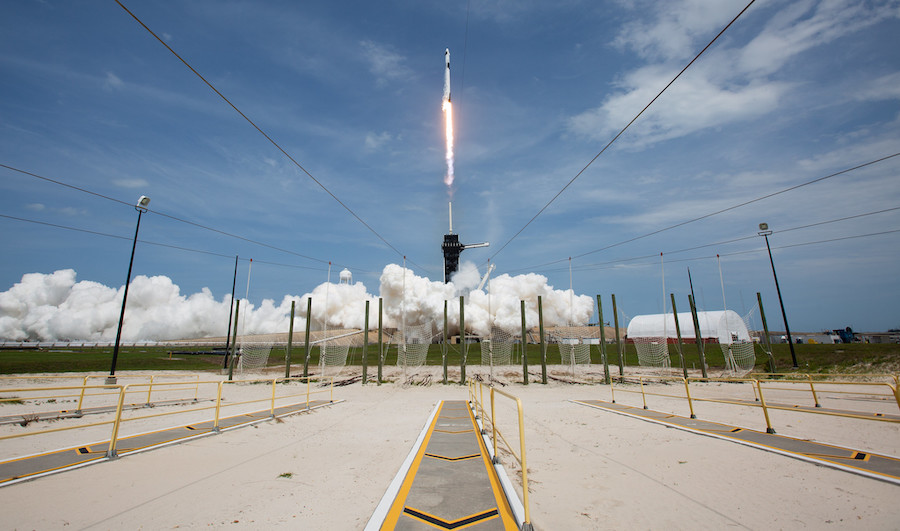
{"points": [[307, 347], [444, 344], [603, 343], [524, 345], [380, 342], [287, 353], [762, 315], [543, 345], [698, 337], [678, 331], [619, 348], [237, 307], [365, 356], [462, 337]]}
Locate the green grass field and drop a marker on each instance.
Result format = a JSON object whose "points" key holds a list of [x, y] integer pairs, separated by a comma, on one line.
{"points": [[856, 357]]}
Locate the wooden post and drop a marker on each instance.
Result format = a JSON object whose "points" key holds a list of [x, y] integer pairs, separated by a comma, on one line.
{"points": [[287, 353], [603, 343]]}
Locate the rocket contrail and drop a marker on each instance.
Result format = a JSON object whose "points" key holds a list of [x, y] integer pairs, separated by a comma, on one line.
{"points": [[448, 121]]}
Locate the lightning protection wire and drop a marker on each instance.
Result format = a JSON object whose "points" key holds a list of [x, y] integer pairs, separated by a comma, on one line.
{"points": [[617, 263], [620, 133], [733, 207], [586, 267], [264, 134], [174, 218], [157, 244]]}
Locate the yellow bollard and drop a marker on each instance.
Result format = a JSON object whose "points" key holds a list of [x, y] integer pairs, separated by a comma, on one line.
{"points": [[81, 398], [687, 390], [111, 452], [813, 389], [643, 396], [494, 427], [762, 401], [218, 407], [149, 389], [272, 410]]}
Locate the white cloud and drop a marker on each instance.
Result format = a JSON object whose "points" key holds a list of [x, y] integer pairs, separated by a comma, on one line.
{"points": [[694, 103], [37, 207], [384, 63], [112, 82], [884, 88], [728, 84], [55, 307], [130, 183], [676, 28], [375, 141]]}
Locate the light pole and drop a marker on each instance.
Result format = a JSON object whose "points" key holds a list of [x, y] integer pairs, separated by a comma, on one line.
{"points": [[141, 207], [765, 232]]}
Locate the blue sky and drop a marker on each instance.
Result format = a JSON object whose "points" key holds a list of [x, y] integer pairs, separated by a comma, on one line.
{"points": [[792, 92]]}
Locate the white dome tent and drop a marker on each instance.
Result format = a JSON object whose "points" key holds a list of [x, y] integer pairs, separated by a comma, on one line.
{"points": [[651, 333]]}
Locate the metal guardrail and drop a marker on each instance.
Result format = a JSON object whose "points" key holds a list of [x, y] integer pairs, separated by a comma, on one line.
{"points": [[759, 396], [478, 403], [122, 390]]}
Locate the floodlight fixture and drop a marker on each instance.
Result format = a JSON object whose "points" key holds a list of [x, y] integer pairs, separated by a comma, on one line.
{"points": [[142, 203]]}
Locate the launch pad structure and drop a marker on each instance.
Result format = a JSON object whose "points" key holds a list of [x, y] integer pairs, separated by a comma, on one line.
{"points": [[452, 248]]}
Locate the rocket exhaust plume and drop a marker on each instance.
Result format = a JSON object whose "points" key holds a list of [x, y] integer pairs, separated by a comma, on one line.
{"points": [[448, 122]]}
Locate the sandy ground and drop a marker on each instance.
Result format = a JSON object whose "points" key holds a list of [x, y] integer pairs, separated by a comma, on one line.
{"points": [[588, 469]]}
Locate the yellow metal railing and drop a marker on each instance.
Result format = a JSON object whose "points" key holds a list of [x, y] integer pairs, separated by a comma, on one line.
{"points": [[478, 403], [757, 385], [120, 392]]}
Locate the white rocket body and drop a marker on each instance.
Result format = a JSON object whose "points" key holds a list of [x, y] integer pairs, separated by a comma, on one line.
{"points": [[447, 76]]}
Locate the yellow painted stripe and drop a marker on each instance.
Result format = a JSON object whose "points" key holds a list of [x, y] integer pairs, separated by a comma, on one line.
{"points": [[390, 521], [509, 522]]}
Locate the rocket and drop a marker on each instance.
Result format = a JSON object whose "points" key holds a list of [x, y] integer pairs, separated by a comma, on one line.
{"points": [[447, 75]]}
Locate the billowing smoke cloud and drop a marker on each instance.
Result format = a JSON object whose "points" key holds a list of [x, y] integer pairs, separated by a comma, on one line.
{"points": [[56, 307]]}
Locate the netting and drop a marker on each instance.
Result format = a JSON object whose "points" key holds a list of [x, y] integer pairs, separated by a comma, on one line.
{"points": [[412, 349], [573, 349], [736, 344], [332, 357], [496, 349], [652, 351], [253, 355]]}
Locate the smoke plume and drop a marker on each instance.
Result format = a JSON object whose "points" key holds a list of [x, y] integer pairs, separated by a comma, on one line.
{"points": [[57, 307]]}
